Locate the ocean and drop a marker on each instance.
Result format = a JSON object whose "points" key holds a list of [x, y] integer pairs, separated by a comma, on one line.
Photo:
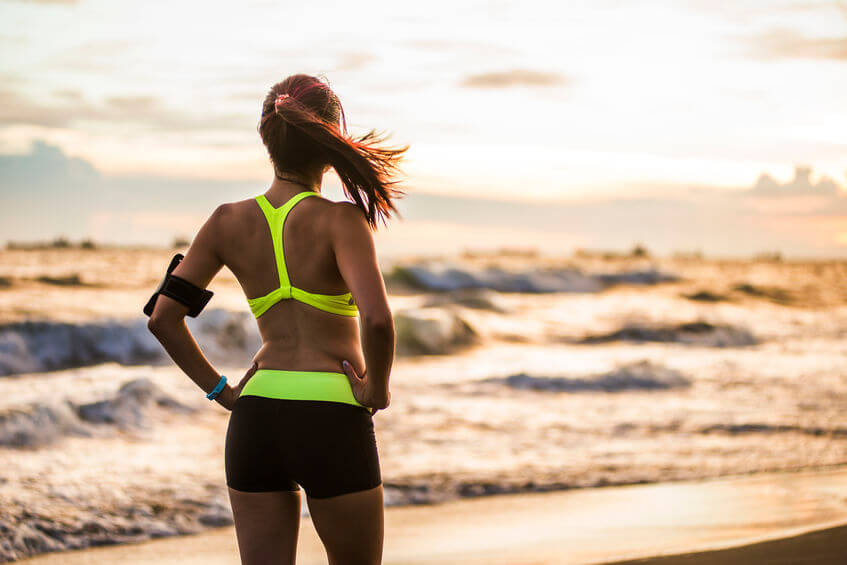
{"points": [[515, 371]]}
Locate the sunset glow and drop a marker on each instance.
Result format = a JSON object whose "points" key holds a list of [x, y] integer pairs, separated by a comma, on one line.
{"points": [[527, 102]]}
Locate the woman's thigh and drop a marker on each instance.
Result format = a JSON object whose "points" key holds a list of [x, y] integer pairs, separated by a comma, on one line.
{"points": [[265, 499], [266, 525], [351, 526], [329, 448]]}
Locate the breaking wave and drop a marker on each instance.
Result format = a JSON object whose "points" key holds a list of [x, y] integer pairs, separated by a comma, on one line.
{"points": [[693, 333], [764, 428], [38, 346], [224, 336], [42, 424], [440, 276], [641, 375]]}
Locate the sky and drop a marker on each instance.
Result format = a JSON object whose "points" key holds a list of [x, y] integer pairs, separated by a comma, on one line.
{"points": [[687, 125]]}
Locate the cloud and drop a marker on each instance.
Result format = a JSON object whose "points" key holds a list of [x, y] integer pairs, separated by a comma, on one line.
{"points": [[514, 77], [354, 61], [801, 184], [44, 165], [786, 43], [46, 193], [100, 57], [50, 1], [454, 46], [69, 107], [715, 221]]}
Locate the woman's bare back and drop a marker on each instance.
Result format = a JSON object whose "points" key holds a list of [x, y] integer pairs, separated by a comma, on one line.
{"points": [[295, 335]]}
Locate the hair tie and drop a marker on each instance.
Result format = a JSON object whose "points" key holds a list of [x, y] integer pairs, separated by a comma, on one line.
{"points": [[280, 99]]}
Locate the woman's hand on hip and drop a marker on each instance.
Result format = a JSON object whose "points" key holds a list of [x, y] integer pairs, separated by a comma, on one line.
{"points": [[234, 392], [363, 392]]}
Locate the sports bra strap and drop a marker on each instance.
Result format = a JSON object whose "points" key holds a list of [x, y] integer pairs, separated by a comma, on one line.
{"points": [[276, 221]]}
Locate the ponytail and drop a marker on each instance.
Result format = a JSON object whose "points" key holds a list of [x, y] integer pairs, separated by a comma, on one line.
{"points": [[305, 138]]}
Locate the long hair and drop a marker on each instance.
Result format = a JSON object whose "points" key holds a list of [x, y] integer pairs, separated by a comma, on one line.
{"points": [[304, 127]]}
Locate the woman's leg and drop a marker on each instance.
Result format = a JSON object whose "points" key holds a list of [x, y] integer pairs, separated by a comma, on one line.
{"points": [[265, 500], [337, 464], [351, 526], [267, 525]]}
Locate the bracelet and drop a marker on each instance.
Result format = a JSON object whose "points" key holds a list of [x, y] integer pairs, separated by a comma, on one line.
{"points": [[218, 388]]}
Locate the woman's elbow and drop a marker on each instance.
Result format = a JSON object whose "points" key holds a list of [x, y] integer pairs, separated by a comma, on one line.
{"points": [[154, 325], [378, 321], [160, 325]]}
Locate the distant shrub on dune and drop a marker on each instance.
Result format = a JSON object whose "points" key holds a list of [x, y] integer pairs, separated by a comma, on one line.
{"points": [[768, 256], [57, 243], [70, 280], [594, 253], [180, 242], [639, 251], [696, 254], [528, 252]]}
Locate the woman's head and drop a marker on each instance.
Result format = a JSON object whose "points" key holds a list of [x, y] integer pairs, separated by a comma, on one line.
{"points": [[304, 129]]}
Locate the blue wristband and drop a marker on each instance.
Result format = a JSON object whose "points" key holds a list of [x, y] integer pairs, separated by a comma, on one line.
{"points": [[218, 388]]}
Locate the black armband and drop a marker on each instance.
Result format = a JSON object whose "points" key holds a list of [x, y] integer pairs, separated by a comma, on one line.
{"points": [[180, 290]]}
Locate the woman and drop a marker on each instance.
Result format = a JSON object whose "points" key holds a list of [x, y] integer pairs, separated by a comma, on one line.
{"points": [[303, 413]]}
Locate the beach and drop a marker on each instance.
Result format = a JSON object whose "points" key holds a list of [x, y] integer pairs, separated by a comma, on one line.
{"points": [[613, 248], [783, 518], [818, 546], [518, 377]]}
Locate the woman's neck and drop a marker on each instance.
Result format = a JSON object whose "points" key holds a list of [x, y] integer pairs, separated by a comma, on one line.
{"points": [[286, 181]]}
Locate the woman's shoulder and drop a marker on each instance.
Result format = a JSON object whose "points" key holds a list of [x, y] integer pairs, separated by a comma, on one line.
{"points": [[348, 211], [231, 215], [236, 209]]}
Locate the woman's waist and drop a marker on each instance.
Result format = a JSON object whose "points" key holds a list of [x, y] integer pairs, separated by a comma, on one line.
{"points": [[292, 384], [317, 355], [296, 374]]}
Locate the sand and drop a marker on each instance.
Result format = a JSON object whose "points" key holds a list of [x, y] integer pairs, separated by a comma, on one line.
{"points": [[821, 547], [595, 525]]}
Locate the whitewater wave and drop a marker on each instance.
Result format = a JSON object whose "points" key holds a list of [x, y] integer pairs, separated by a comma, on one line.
{"points": [[39, 346], [224, 336], [432, 331], [36, 346], [71, 522], [641, 375], [765, 428], [477, 298], [446, 276], [41, 424], [692, 333]]}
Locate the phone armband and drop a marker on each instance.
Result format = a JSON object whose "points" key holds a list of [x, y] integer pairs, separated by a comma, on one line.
{"points": [[179, 289]]}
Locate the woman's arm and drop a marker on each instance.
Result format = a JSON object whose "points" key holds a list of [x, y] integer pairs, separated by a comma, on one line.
{"points": [[167, 322], [356, 258]]}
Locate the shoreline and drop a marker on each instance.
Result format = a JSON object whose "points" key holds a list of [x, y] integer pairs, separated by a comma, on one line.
{"points": [[594, 525], [821, 546]]}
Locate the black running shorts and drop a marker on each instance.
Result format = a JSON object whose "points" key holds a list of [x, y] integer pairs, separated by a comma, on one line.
{"points": [[273, 444]]}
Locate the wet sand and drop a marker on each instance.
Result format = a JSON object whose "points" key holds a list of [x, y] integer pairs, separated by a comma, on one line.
{"points": [[821, 547], [577, 526]]}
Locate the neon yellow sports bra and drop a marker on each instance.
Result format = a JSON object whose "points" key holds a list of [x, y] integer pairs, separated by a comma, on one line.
{"points": [[335, 303]]}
